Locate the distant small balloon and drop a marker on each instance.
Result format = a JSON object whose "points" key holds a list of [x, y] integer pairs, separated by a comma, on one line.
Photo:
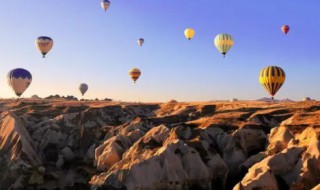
{"points": [[44, 44], [134, 74], [306, 99], [105, 4], [285, 29], [233, 100], [140, 41], [83, 88], [189, 33], [19, 80]]}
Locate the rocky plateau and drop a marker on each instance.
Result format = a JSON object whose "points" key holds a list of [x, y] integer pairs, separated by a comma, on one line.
{"points": [[241, 145]]}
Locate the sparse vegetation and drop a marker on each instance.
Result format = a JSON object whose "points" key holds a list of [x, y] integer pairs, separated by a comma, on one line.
{"points": [[69, 97]]}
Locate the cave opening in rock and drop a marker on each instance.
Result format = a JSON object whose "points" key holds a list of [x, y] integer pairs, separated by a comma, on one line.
{"points": [[51, 152]]}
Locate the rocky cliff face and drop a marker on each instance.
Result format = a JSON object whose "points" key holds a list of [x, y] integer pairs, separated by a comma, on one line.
{"points": [[106, 145]]}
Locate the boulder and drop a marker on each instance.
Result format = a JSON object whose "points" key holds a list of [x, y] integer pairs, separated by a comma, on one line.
{"points": [[67, 154], [278, 139], [110, 152], [244, 142], [173, 166], [14, 138]]}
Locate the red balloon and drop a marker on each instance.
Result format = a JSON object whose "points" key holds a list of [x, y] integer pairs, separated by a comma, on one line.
{"points": [[285, 29]]}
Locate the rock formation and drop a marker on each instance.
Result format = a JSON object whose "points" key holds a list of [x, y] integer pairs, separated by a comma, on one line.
{"points": [[46, 144]]}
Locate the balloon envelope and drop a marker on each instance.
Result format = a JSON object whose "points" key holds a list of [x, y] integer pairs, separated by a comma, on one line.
{"points": [[44, 44], [233, 100], [223, 43], [105, 4], [19, 80], [306, 99], [140, 41], [83, 88], [285, 29], [134, 74], [272, 78], [189, 33]]}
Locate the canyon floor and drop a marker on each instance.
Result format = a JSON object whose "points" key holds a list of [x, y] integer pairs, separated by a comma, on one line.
{"points": [[240, 145]]}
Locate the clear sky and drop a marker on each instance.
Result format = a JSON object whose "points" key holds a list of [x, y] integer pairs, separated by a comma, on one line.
{"points": [[99, 48]]}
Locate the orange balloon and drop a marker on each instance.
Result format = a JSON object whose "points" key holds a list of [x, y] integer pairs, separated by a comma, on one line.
{"points": [[134, 74]]}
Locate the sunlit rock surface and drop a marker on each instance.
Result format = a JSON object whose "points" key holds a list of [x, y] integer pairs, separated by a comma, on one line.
{"points": [[47, 144]]}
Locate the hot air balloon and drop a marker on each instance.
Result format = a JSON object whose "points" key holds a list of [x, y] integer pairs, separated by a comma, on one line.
{"points": [[272, 78], [105, 4], [44, 44], [135, 74], [223, 43], [233, 100], [140, 41], [83, 88], [306, 99], [19, 80], [189, 33], [285, 29]]}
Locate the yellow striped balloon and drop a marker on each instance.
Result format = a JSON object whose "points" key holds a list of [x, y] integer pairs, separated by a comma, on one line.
{"points": [[223, 43], [189, 33], [134, 74], [272, 78]]}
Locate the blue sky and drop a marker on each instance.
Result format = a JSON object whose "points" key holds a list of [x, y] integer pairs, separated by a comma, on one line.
{"points": [[99, 48]]}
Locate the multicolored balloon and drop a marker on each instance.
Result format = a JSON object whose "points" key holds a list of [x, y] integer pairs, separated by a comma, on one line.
{"points": [[44, 44], [83, 88], [223, 43], [189, 33], [105, 4], [140, 41], [272, 78], [19, 80], [285, 29], [134, 74]]}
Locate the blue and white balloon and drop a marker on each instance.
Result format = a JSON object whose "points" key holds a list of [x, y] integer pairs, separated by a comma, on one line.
{"points": [[105, 4], [19, 80], [140, 41]]}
